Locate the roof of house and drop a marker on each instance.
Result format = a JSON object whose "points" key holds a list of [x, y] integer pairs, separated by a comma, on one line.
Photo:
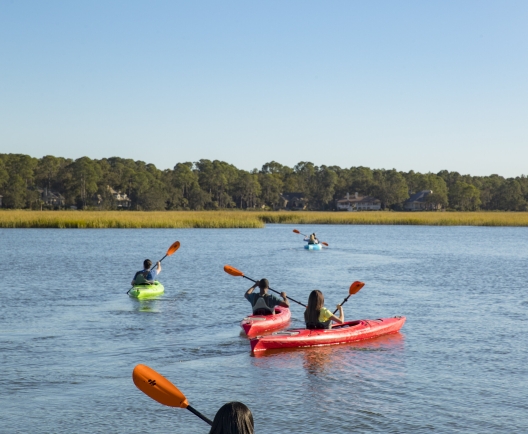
{"points": [[421, 196]]}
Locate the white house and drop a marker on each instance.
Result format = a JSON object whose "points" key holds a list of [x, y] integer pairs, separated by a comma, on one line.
{"points": [[358, 203]]}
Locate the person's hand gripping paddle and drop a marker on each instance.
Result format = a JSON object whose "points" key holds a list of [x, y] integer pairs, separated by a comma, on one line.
{"points": [[234, 272], [354, 289], [162, 390], [306, 236], [175, 246]]}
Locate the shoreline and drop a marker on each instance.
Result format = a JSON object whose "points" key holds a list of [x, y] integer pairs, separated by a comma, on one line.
{"points": [[250, 219]]}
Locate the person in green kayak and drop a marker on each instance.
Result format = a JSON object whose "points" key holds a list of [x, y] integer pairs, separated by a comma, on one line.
{"points": [[264, 303], [313, 239], [233, 418], [147, 275], [317, 316]]}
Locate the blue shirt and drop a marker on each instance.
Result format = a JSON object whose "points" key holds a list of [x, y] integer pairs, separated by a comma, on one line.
{"points": [[271, 300]]}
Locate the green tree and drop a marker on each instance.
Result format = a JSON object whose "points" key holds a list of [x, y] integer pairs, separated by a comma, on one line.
{"points": [[509, 196], [391, 187], [464, 196], [271, 188]]}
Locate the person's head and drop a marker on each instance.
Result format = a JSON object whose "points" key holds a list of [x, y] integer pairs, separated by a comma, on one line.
{"points": [[233, 418], [315, 304], [147, 263], [263, 285]]}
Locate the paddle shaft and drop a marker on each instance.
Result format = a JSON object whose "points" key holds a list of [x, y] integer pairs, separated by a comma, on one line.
{"points": [[200, 415], [149, 271], [344, 301], [298, 302]]}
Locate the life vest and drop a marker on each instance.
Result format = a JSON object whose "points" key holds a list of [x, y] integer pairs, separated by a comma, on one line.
{"points": [[317, 325], [261, 307], [313, 240], [141, 278]]}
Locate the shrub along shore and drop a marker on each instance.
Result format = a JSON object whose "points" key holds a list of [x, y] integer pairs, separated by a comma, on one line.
{"points": [[248, 219]]}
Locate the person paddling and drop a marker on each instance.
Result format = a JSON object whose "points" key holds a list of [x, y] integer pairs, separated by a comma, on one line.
{"points": [[233, 418], [264, 303], [317, 316], [313, 239], [147, 275]]}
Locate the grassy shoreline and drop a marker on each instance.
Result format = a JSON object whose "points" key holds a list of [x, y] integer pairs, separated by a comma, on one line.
{"points": [[248, 219]]}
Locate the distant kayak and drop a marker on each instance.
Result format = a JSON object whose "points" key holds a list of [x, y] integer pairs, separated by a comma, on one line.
{"points": [[144, 291], [347, 332], [314, 246], [255, 324]]}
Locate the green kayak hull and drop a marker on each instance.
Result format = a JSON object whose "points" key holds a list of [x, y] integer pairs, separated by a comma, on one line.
{"points": [[144, 291]]}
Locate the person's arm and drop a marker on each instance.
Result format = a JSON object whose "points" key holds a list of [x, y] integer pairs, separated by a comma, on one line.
{"points": [[159, 267], [341, 318], [250, 290], [284, 302]]}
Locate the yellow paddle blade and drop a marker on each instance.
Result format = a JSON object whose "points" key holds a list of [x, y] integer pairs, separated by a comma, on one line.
{"points": [[296, 231], [173, 248], [233, 271], [355, 287], [158, 387]]}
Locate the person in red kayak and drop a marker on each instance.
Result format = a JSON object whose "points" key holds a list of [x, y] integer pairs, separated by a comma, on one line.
{"points": [[146, 275], [264, 303], [233, 418], [317, 316]]}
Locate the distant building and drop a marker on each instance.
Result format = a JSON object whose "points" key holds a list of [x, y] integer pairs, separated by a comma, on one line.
{"points": [[358, 203], [51, 198], [293, 201], [418, 202], [121, 200]]}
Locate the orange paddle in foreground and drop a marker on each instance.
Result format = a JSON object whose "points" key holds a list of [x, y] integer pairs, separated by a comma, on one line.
{"points": [[162, 390], [175, 246], [297, 232], [234, 272], [354, 289]]}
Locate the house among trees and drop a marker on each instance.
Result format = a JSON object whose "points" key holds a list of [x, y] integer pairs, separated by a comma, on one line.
{"points": [[358, 203], [120, 200], [293, 201], [51, 198], [421, 201]]}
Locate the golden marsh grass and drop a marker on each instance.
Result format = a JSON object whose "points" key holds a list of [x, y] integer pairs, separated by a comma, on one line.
{"points": [[248, 219]]}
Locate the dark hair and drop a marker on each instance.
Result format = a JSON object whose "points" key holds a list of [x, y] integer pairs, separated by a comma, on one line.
{"points": [[315, 304], [233, 418], [147, 263], [263, 283]]}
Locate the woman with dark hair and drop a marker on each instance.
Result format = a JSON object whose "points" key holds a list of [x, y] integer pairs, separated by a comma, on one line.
{"points": [[233, 418], [317, 316]]}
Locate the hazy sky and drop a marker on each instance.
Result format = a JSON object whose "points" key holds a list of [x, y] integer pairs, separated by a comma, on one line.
{"points": [[422, 85]]}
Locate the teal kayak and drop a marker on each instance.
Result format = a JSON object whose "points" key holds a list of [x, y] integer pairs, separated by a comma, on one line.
{"points": [[313, 246], [144, 291]]}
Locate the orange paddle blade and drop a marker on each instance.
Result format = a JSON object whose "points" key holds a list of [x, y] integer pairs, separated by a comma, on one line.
{"points": [[173, 248], [355, 287], [233, 271], [325, 244], [158, 387], [296, 231]]}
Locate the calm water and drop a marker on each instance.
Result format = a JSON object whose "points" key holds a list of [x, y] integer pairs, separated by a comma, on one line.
{"points": [[70, 337]]}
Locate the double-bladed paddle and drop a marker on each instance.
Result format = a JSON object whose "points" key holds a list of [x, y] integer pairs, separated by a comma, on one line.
{"points": [[162, 390], [175, 246], [234, 272], [354, 289], [322, 242]]}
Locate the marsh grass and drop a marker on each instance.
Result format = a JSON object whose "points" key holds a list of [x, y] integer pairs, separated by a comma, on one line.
{"points": [[248, 219]]}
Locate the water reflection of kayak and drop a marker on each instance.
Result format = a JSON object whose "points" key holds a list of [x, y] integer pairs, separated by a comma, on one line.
{"points": [[144, 291], [255, 324], [347, 332]]}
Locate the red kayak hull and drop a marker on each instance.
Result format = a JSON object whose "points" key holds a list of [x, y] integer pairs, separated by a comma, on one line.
{"points": [[349, 331], [254, 325]]}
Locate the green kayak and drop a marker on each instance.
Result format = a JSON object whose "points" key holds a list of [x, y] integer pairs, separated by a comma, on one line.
{"points": [[144, 291]]}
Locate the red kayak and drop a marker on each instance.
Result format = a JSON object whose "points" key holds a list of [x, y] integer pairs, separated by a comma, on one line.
{"points": [[255, 324], [339, 334]]}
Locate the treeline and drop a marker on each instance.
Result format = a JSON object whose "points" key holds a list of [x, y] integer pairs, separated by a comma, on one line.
{"points": [[216, 184]]}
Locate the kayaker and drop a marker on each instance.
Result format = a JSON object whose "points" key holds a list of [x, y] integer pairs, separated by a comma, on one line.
{"points": [[146, 275], [264, 303], [313, 239], [317, 316], [233, 418]]}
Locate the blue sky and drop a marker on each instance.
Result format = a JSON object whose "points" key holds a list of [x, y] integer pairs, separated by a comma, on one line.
{"points": [[422, 85]]}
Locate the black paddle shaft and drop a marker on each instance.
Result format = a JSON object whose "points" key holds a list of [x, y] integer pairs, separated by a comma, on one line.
{"points": [[344, 301], [200, 415], [298, 302]]}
